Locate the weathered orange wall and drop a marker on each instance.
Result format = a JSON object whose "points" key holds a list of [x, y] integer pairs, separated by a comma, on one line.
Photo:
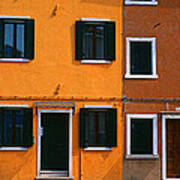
{"points": [[54, 66]]}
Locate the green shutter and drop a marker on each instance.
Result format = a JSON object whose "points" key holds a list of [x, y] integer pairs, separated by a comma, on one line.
{"points": [[83, 126], [1, 38], [79, 28], [28, 128], [29, 39], [110, 41], [111, 128], [1, 126]]}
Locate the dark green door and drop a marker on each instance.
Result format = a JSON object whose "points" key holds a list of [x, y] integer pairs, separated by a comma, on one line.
{"points": [[54, 142]]}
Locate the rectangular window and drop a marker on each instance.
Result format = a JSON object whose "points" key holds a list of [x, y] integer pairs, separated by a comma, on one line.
{"points": [[141, 135], [140, 58], [141, 2], [16, 127], [95, 40], [98, 127], [17, 40]]}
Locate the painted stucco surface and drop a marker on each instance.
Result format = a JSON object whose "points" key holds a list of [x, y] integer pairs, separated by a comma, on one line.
{"points": [[55, 73]]}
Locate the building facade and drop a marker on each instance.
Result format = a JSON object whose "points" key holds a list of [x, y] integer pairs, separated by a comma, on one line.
{"points": [[61, 88], [151, 90]]}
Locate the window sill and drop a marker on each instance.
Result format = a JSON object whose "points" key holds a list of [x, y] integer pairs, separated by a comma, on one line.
{"points": [[53, 178], [13, 149], [95, 61], [140, 156], [98, 149], [140, 3], [13, 60], [128, 76]]}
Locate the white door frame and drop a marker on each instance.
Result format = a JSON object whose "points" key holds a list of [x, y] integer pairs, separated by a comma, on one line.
{"points": [[164, 153], [39, 137]]}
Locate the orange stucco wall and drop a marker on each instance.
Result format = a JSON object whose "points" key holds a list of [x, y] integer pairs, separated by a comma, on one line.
{"points": [[54, 74]]}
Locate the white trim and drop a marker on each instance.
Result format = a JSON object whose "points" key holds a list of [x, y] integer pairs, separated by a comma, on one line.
{"points": [[164, 117], [97, 106], [14, 17], [98, 149], [141, 156], [131, 2], [94, 19], [128, 135], [95, 61], [15, 105], [13, 149], [128, 61], [39, 138], [13, 60], [178, 109]]}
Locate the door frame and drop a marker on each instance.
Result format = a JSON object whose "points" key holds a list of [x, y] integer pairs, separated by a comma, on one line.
{"points": [[40, 111], [164, 153]]}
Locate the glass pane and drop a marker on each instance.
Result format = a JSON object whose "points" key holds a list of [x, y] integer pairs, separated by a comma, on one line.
{"points": [[8, 40], [93, 42], [19, 115], [8, 130], [141, 136], [141, 58], [96, 124], [20, 40]]}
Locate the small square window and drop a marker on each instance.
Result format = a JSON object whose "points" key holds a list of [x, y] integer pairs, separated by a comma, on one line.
{"points": [[98, 127], [95, 40], [17, 40], [141, 58], [141, 134], [141, 2], [15, 127]]}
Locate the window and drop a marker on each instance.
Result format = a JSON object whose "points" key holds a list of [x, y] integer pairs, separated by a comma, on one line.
{"points": [[98, 127], [17, 39], [16, 127], [141, 135], [140, 58], [141, 2], [95, 40]]}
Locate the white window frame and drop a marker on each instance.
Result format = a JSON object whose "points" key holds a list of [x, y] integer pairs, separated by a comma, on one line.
{"points": [[128, 136], [132, 2], [23, 60], [98, 148], [128, 56]]}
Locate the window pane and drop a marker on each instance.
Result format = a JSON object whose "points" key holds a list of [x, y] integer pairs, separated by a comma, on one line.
{"points": [[93, 42], [141, 136], [96, 124], [20, 40], [141, 57], [8, 40], [8, 130]]}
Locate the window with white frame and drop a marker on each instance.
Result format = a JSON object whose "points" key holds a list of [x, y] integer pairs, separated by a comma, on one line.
{"points": [[141, 135], [141, 57], [141, 2]]}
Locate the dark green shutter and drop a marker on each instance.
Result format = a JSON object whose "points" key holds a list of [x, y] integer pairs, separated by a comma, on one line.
{"points": [[79, 28], [28, 128], [111, 128], [110, 41], [29, 39], [1, 126], [1, 38], [83, 126]]}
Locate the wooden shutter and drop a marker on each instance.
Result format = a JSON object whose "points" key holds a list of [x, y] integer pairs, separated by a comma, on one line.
{"points": [[28, 128], [110, 41], [1, 126], [83, 126], [1, 38], [29, 39], [111, 127], [79, 28]]}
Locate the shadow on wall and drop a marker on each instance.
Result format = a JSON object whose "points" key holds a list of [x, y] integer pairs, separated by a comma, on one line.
{"points": [[104, 2], [169, 4]]}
